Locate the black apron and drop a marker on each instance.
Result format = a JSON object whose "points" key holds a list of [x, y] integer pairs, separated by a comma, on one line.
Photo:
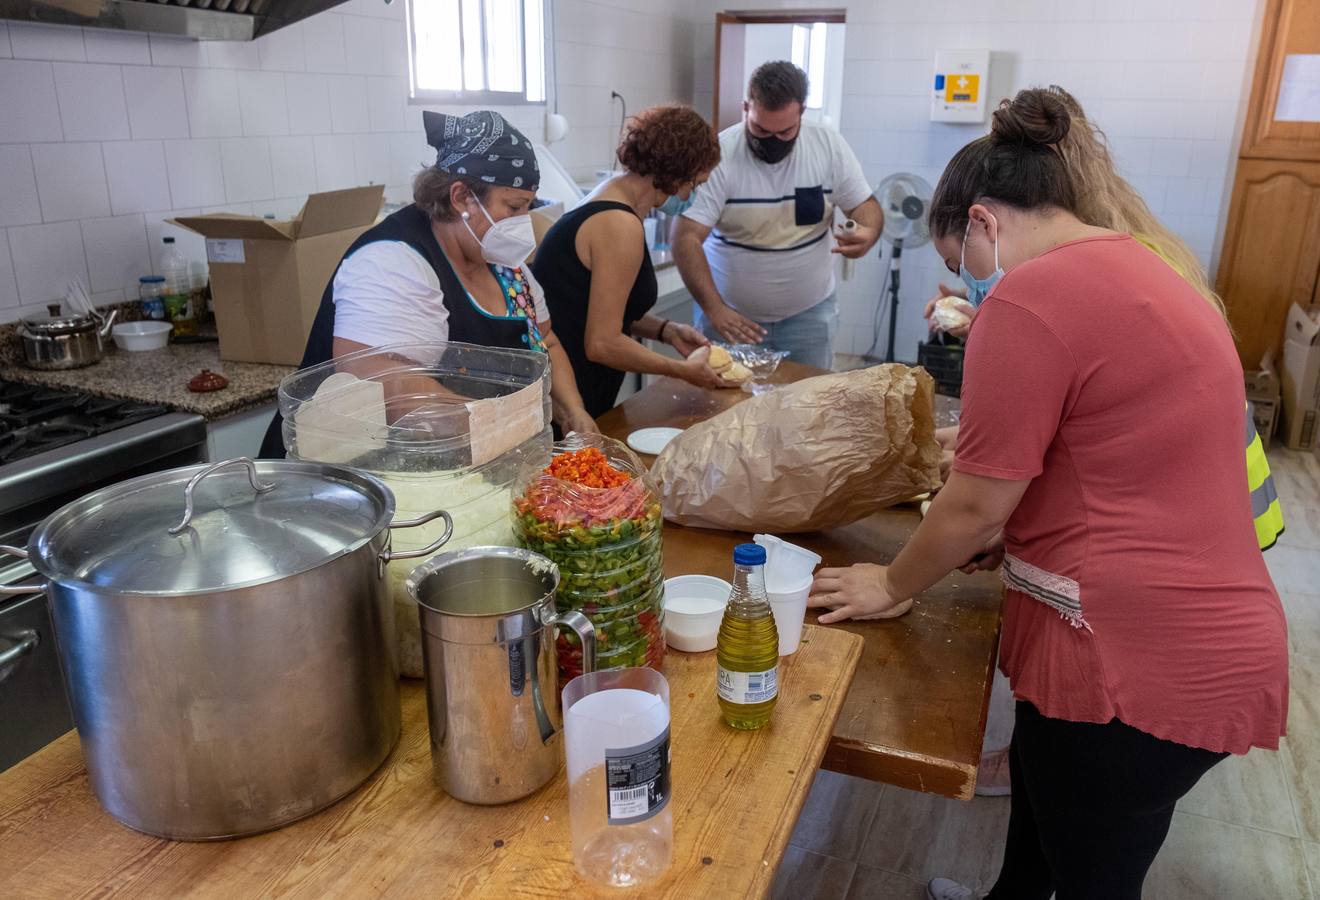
{"points": [[467, 323]]}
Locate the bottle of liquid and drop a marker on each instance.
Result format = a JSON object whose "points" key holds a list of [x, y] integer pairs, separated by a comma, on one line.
{"points": [[747, 650], [178, 289]]}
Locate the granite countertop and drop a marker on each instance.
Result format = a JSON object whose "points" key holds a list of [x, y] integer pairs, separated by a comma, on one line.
{"points": [[161, 376]]}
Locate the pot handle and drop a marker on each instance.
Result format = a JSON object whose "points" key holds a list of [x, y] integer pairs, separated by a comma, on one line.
{"points": [[585, 631], [18, 590], [107, 324], [256, 483], [391, 555], [27, 642]]}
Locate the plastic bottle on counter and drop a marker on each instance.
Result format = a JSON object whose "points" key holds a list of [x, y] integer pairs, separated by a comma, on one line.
{"points": [[178, 289], [747, 649], [151, 291]]}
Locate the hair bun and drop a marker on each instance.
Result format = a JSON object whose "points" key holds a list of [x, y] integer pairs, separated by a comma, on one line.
{"points": [[1034, 116]]}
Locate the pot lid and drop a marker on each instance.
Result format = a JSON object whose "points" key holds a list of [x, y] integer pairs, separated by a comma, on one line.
{"points": [[126, 537], [57, 323]]}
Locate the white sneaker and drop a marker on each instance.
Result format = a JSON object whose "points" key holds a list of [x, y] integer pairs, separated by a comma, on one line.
{"points": [[948, 889]]}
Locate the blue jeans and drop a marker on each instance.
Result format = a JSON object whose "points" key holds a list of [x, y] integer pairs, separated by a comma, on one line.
{"points": [[808, 336]]}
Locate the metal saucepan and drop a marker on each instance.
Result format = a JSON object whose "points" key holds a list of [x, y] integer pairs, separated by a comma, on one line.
{"points": [[227, 640], [64, 341]]}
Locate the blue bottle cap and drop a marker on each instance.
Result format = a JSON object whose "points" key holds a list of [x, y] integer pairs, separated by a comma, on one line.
{"points": [[749, 555]]}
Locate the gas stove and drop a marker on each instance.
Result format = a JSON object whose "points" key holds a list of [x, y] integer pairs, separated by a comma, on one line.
{"points": [[36, 419], [55, 447]]}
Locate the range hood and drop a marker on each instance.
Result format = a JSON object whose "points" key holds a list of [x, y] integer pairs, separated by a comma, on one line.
{"points": [[203, 20]]}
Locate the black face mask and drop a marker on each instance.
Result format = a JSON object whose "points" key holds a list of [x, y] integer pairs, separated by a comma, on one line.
{"points": [[770, 149]]}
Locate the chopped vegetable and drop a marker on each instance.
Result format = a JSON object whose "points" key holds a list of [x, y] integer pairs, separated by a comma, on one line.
{"points": [[601, 525]]}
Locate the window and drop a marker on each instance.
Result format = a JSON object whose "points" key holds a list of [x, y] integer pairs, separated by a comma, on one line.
{"points": [[477, 51], [809, 56]]}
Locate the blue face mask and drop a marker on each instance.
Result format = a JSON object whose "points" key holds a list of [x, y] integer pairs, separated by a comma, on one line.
{"points": [[977, 288], [676, 205]]}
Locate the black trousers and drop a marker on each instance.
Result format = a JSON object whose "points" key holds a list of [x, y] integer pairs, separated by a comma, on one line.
{"points": [[1091, 807]]}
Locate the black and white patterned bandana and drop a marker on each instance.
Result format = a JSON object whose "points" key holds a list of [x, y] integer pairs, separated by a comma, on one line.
{"points": [[482, 145]]}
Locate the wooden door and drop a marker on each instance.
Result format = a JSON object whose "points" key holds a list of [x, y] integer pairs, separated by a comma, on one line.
{"points": [[1271, 253]]}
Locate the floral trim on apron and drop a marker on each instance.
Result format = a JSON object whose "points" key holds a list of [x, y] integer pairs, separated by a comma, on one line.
{"points": [[518, 300]]}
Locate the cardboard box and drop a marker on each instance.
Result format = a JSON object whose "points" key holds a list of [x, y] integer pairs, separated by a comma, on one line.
{"points": [[268, 275], [1300, 376], [1263, 395]]}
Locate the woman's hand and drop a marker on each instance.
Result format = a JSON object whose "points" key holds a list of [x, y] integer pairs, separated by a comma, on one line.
{"points": [[988, 559], [696, 370], [684, 338], [960, 294], [857, 592], [579, 422]]}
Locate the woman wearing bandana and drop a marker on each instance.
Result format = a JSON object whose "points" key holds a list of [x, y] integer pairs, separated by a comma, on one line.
{"points": [[450, 266]]}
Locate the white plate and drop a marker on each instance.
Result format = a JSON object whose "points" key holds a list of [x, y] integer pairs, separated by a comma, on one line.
{"points": [[652, 440]]}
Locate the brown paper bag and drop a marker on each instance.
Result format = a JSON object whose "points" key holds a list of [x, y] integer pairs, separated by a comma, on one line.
{"points": [[816, 454]]}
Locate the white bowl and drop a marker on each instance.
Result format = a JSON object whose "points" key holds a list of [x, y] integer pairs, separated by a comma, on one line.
{"points": [[141, 335], [694, 607]]}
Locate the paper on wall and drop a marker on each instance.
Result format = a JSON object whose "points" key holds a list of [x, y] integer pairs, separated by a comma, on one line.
{"points": [[1299, 89]]}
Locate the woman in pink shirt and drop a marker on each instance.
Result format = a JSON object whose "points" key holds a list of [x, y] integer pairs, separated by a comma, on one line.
{"points": [[1101, 432]]}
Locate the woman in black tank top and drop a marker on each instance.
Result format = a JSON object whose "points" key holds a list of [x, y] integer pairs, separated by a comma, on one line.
{"points": [[595, 267]]}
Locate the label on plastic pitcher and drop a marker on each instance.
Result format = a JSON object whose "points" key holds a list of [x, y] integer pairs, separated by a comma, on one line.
{"points": [[748, 687], [637, 780]]}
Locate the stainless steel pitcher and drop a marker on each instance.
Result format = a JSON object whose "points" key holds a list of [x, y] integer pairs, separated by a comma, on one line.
{"points": [[488, 645]]}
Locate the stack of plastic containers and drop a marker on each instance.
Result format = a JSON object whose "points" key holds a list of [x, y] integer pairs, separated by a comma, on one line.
{"points": [[607, 544]]}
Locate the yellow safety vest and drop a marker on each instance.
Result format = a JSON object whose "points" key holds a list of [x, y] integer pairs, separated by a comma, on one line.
{"points": [[1265, 508]]}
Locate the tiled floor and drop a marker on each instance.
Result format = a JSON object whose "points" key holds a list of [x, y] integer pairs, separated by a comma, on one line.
{"points": [[1249, 831]]}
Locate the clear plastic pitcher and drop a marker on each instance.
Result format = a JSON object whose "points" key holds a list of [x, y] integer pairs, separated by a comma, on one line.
{"points": [[616, 728]]}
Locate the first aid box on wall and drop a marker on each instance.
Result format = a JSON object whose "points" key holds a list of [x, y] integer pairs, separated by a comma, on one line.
{"points": [[960, 85]]}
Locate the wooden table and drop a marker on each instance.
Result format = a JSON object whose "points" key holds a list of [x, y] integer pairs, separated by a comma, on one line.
{"points": [[736, 798], [915, 716]]}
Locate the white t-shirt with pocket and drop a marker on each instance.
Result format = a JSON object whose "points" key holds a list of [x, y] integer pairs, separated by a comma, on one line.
{"points": [[769, 245]]}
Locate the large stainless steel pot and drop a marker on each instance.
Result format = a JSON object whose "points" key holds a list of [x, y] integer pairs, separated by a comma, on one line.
{"points": [[227, 640], [492, 696], [64, 341]]}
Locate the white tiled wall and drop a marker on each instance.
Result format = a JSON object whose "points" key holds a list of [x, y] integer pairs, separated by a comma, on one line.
{"points": [[1166, 79], [104, 135]]}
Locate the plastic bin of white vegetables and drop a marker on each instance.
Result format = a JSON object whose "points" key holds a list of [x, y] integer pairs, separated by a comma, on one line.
{"points": [[445, 425]]}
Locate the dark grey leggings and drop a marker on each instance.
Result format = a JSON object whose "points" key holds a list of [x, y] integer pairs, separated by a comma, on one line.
{"points": [[1091, 807]]}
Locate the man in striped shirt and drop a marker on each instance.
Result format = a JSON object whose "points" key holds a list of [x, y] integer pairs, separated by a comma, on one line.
{"points": [[755, 248]]}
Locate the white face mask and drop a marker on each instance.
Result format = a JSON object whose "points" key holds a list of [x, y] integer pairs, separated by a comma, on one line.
{"points": [[508, 242]]}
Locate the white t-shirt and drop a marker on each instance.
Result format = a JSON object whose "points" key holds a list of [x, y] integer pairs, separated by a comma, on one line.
{"points": [[769, 246], [387, 293]]}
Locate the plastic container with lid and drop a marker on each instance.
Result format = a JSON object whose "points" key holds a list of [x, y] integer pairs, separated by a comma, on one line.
{"points": [[405, 413], [151, 291], [178, 289]]}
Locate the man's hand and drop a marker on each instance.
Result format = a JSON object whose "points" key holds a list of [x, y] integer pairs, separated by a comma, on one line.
{"points": [[577, 420], [684, 338], [856, 243], [857, 592], [734, 327]]}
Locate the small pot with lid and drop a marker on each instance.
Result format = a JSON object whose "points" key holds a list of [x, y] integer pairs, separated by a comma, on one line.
{"points": [[60, 341], [226, 637]]}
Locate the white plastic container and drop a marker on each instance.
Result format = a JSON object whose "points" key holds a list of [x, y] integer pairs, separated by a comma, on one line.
{"points": [[134, 336], [790, 609], [694, 606], [786, 565]]}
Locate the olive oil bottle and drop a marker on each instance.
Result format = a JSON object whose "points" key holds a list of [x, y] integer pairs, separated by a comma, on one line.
{"points": [[747, 650]]}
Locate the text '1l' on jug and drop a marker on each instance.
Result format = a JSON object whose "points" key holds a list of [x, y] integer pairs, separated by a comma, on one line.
{"points": [[488, 644]]}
